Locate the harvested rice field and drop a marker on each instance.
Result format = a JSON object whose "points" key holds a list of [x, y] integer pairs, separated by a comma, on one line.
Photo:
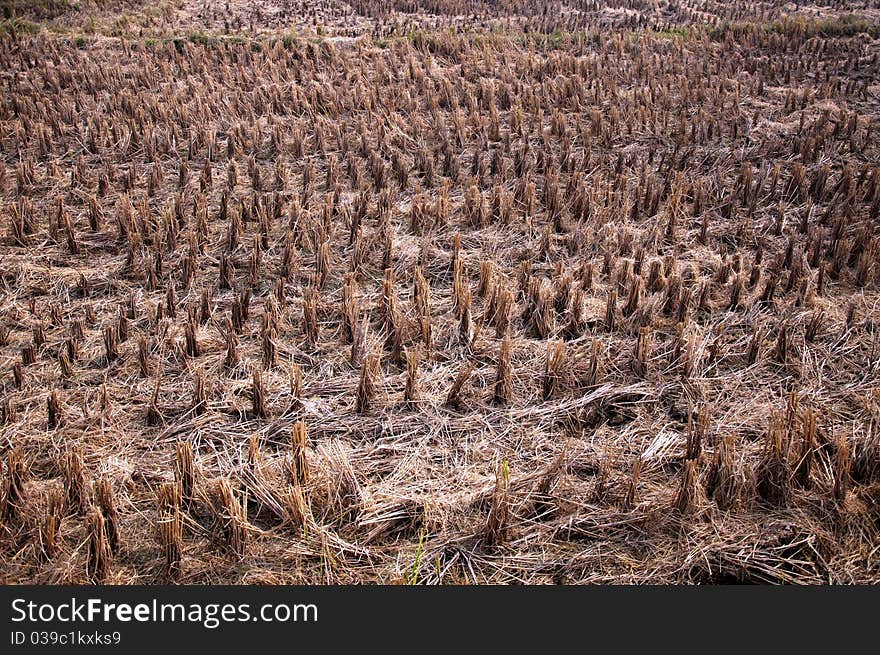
{"points": [[439, 292]]}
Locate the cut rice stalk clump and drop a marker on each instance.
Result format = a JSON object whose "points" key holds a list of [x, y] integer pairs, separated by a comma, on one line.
{"points": [[503, 389], [454, 397], [64, 363], [230, 338], [632, 493], [99, 552], [722, 484], [464, 332], [540, 310], [603, 473], [814, 326], [503, 308], [359, 342], [154, 416], [343, 494], [593, 367], [170, 528], [349, 307], [76, 491], [697, 433], [390, 315], [686, 499], [754, 348], [297, 464], [8, 411], [773, 474], [12, 501], [866, 455], [634, 297], [49, 533], [804, 467], [366, 391], [498, 519], [553, 365], [199, 398], [18, 375], [842, 469], [254, 457], [144, 363], [258, 395], [299, 513], [106, 501], [230, 515], [28, 355], [193, 348], [642, 352], [486, 282], [781, 349], [295, 378], [411, 393], [185, 472], [54, 412]]}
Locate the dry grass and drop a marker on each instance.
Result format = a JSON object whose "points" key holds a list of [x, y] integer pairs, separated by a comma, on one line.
{"points": [[597, 301]]}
